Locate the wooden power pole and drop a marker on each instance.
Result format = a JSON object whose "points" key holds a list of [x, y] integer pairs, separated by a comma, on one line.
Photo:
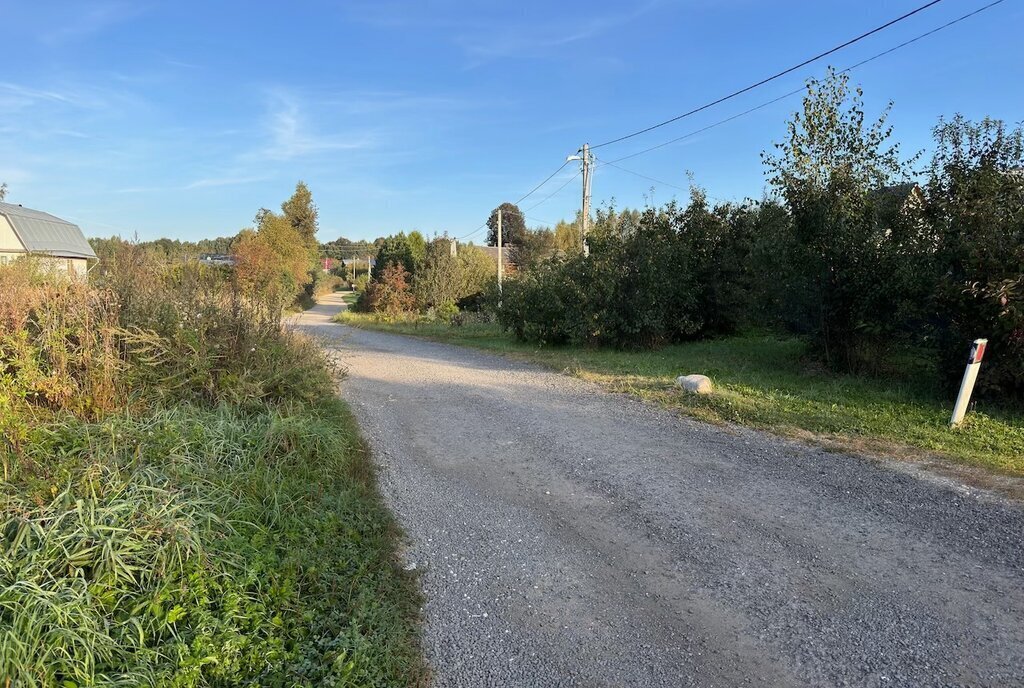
{"points": [[500, 271], [587, 159]]}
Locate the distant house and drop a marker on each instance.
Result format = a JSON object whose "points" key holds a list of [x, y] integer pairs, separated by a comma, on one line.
{"points": [[217, 259], [895, 200], [507, 254], [58, 243]]}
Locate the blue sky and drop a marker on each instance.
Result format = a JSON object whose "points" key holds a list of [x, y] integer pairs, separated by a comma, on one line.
{"points": [[183, 118]]}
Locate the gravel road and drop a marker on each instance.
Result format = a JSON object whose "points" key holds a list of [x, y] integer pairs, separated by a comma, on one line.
{"points": [[572, 537]]}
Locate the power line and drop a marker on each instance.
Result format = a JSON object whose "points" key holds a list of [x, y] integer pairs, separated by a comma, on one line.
{"points": [[773, 77], [801, 89], [534, 189], [745, 112], [658, 181], [642, 176], [551, 195], [521, 199]]}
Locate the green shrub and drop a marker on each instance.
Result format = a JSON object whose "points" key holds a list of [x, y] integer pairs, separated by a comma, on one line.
{"points": [[445, 312], [975, 208], [196, 547], [326, 284], [388, 294], [674, 275]]}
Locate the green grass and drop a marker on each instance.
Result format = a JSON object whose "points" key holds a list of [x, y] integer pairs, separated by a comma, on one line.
{"points": [[184, 501], [768, 382], [196, 546]]}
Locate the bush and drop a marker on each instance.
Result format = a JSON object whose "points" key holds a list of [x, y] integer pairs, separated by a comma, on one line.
{"points": [[853, 265], [975, 209], [673, 276], [326, 284], [185, 502], [389, 294], [446, 312]]}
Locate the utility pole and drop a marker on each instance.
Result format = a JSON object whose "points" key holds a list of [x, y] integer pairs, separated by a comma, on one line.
{"points": [[500, 271], [586, 197], [583, 154]]}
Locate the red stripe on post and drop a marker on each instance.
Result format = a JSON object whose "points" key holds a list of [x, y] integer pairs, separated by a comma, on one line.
{"points": [[979, 352]]}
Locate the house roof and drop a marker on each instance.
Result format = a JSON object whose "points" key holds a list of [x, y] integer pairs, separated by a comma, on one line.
{"points": [[492, 251], [41, 232]]}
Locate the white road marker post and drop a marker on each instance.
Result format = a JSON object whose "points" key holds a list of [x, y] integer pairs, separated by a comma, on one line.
{"points": [[967, 384]]}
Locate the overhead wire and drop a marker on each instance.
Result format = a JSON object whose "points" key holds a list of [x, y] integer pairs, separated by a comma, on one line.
{"points": [[642, 176], [551, 195], [522, 198], [802, 88], [732, 95], [773, 77]]}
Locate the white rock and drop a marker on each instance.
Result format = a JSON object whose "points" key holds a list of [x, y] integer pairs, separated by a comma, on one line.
{"points": [[695, 384]]}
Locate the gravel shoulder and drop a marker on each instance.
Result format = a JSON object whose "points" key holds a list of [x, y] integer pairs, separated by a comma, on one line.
{"points": [[568, 536]]}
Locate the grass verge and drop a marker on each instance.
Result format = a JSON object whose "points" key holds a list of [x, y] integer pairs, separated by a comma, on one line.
{"points": [[184, 501], [199, 546], [766, 382]]}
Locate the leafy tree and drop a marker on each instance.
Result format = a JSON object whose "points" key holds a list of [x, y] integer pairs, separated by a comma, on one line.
{"points": [[513, 226], [848, 265], [163, 250], [389, 293], [272, 262], [671, 276], [3, 191], [342, 248], [444, 280], [567, 237], [974, 210], [302, 214], [535, 245], [477, 274], [438, 281], [409, 251]]}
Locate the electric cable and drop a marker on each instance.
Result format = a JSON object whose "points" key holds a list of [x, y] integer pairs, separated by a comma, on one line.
{"points": [[802, 88], [773, 77]]}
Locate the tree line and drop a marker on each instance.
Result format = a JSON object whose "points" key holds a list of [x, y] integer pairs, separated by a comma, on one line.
{"points": [[864, 252]]}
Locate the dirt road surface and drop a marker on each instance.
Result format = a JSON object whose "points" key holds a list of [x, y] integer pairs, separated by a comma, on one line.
{"points": [[572, 537]]}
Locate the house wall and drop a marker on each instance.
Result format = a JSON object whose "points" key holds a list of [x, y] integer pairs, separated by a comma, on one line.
{"points": [[7, 258], [76, 267], [9, 242], [11, 249]]}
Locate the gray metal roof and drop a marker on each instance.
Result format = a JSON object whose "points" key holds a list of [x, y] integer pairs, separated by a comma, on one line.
{"points": [[43, 233]]}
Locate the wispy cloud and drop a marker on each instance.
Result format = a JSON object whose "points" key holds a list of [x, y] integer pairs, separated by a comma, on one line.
{"points": [[530, 41], [494, 31], [65, 96], [17, 97], [14, 175], [293, 136], [204, 183], [172, 62], [212, 182], [87, 19]]}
